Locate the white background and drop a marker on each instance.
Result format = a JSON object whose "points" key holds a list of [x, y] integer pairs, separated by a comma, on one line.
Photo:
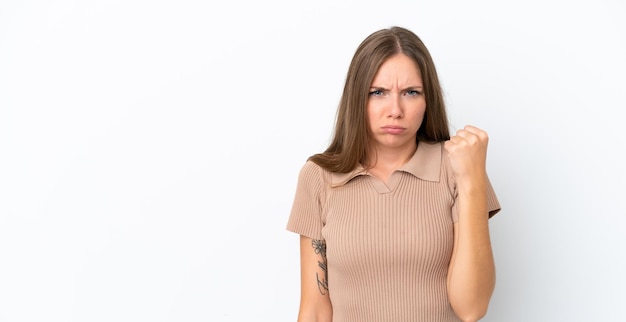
{"points": [[149, 149]]}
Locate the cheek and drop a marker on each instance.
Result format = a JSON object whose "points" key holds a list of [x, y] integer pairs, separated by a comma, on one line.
{"points": [[419, 109], [373, 112], [418, 114]]}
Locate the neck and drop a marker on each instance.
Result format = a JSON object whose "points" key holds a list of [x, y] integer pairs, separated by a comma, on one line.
{"points": [[384, 161], [390, 158]]}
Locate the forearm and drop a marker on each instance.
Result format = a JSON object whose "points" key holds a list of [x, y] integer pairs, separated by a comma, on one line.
{"points": [[471, 278], [315, 303]]}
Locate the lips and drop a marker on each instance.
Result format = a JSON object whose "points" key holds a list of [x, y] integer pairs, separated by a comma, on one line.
{"points": [[393, 129]]}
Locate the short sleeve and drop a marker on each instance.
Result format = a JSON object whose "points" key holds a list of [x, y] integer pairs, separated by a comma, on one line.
{"points": [[306, 212], [492, 200]]}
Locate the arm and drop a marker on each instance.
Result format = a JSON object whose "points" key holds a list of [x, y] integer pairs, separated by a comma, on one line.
{"points": [[314, 300], [471, 275]]}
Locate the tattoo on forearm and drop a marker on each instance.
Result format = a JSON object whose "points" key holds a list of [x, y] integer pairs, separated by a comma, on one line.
{"points": [[320, 248]]}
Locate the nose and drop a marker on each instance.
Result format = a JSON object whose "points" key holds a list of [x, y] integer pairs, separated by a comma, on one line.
{"points": [[396, 110]]}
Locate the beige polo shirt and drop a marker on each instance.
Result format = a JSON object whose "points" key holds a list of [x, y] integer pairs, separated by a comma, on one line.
{"points": [[388, 246]]}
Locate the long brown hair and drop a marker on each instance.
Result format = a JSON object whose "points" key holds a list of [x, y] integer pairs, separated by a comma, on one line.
{"points": [[349, 145]]}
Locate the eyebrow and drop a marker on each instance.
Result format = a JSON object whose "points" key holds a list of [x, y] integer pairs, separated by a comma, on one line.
{"points": [[386, 89]]}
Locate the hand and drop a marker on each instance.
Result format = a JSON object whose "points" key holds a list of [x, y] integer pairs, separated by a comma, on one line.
{"points": [[467, 151]]}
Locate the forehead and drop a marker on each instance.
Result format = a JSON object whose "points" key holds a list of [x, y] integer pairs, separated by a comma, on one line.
{"points": [[398, 68]]}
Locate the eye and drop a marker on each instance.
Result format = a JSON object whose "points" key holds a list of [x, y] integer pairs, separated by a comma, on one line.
{"points": [[413, 92], [376, 92]]}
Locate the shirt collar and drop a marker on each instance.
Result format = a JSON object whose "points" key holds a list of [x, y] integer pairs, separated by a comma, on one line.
{"points": [[424, 164]]}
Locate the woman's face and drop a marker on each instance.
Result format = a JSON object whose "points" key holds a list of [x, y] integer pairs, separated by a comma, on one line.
{"points": [[396, 104]]}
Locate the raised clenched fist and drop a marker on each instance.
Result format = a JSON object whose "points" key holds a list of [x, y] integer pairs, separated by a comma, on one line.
{"points": [[467, 152]]}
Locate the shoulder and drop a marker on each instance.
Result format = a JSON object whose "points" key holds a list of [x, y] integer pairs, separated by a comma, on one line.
{"points": [[312, 183], [312, 174], [310, 168]]}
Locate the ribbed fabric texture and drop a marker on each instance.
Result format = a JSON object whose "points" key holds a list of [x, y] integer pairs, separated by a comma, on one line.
{"points": [[388, 247]]}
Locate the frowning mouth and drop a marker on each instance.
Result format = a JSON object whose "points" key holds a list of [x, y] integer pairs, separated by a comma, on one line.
{"points": [[393, 129]]}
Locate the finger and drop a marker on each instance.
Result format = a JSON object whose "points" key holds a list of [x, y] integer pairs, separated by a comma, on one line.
{"points": [[471, 128], [467, 135], [450, 144], [476, 131], [455, 140], [455, 143]]}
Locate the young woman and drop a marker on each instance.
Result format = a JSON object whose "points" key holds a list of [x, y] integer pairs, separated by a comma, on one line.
{"points": [[393, 215]]}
